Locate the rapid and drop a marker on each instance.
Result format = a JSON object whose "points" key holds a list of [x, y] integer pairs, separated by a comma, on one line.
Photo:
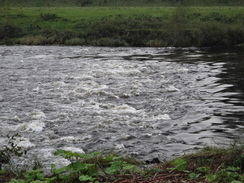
{"points": [[145, 103]]}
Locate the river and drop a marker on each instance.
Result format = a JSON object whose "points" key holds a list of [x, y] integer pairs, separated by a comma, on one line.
{"points": [[145, 103]]}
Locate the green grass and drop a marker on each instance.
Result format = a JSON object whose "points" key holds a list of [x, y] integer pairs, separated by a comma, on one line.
{"points": [[123, 26], [76, 13]]}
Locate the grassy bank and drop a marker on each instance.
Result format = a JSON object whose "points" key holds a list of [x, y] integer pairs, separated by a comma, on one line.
{"points": [[122, 26], [217, 165]]}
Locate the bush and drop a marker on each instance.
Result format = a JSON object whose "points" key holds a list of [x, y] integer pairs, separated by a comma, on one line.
{"points": [[10, 31], [156, 43], [212, 34], [75, 41], [33, 40]]}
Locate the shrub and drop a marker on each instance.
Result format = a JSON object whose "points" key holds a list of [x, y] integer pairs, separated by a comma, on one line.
{"points": [[155, 43], [212, 34], [75, 41], [10, 31], [33, 40]]}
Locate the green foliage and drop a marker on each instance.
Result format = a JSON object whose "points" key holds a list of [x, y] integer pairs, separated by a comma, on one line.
{"points": [[89, 167], [9, 30], [74, 156], [137, 26], [229, 174], [10, 150], [119, 166], [97, 167], [87, 178], [179, 165], [17, 181]]}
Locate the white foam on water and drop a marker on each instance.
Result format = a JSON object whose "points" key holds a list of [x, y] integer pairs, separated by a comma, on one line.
{"points": [[2, 142], [180, 70], [24, 143], [15, 118], [45, 153], [172, 88], [38, 114], [34, 126], [48, 158], [124, 109], [67, 139], [90, 85], [73, 149], [120, 146], [59, 83], [128, 71], [42, 56], [162, 117]]}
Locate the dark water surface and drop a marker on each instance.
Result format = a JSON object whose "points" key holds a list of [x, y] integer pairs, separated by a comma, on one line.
{"points": [[144, 102]]}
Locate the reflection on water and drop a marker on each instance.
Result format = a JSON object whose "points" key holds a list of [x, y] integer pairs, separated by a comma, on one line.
{"points": [[144, 102]]}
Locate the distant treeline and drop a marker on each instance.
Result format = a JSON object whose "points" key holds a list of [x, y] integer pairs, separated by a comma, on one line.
{"points": [[119, 2]]}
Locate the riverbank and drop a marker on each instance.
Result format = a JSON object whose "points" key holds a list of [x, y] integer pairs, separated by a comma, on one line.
{"points": [[123, 26], [219, 165]]}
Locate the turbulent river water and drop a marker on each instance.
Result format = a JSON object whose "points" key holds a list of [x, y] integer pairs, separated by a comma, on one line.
{"points": [[142, 102]]}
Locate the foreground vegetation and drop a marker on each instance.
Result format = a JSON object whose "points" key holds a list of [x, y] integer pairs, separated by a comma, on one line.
{"points": [[122, 26], [217, 165]]}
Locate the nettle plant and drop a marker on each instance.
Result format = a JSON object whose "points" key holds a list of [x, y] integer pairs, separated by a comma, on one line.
{"points": [[92, 168], [88, 167]]}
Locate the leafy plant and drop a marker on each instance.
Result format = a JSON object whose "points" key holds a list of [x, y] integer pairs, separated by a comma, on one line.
{"points": [[229, 174], [88, 167], [10, 150], [118, 166], [179, 164]]}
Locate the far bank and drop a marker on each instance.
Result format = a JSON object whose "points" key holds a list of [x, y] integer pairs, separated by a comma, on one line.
{"points": [[123, 26]]}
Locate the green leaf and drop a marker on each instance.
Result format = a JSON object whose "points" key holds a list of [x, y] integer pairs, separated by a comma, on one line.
{"points": [[194, 175], [59, 170], [84, 178], [2, 172], [115, 167], [204, 169], [77, 166], [109, 158], [129, 167], [39, 181], [236, 181], [17, 181], [180, 164], [233, 169], [211, 177]]}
